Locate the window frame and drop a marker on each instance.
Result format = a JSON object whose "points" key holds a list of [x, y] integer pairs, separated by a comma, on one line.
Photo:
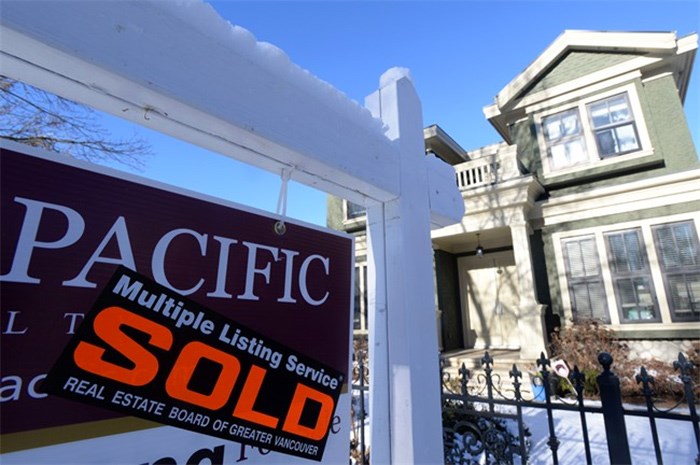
{"points": [[593, 159], [682, 269], [563, 305], [624, 275], [571, 282]]}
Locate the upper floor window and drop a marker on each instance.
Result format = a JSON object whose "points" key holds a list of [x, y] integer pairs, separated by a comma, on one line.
{"points": [[613, 125], [564, 136], [596, 128]]}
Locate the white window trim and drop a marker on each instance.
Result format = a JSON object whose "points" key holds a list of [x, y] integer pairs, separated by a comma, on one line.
{"points": [[656, 273], [588, 134]]}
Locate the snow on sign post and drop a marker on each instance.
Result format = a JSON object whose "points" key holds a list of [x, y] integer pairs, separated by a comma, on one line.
{"points": [[225, 328], [179, 68]]}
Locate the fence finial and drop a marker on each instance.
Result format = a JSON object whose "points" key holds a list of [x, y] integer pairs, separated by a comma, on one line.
{"points": [[606, 360]]}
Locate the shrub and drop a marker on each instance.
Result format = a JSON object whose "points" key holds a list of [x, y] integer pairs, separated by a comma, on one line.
{"points": [[579, 345]]}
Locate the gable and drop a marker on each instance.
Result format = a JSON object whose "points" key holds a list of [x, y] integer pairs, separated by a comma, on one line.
{"points": [[573, 65]]}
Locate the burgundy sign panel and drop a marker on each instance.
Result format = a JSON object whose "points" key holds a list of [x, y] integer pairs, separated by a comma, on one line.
{"points": [[65, 232]]}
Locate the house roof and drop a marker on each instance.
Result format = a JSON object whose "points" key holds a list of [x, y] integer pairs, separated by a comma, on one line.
{"points": [[648, 51], [443, 146]]}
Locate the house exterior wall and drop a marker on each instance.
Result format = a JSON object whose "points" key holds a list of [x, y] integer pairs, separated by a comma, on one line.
{"points": [[601, 198], [668, 126], [521, 206], [664, 121], [577, 64]]}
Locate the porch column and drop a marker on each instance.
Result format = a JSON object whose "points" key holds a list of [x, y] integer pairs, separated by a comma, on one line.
{"points": [[531, 312]]}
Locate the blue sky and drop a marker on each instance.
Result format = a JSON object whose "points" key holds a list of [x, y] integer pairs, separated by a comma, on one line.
{"points": [[460, 53]]}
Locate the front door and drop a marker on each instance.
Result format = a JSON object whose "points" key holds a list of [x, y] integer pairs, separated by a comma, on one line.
{"points": [[489, 290]]}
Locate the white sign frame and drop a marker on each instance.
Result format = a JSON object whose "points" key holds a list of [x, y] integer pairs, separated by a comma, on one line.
{"points": [[102, 54]]}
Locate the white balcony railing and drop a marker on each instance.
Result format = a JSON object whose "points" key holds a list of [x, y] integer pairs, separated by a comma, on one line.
{"points": [[498, 165]]}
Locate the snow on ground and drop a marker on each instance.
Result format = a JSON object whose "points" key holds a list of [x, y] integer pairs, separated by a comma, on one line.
{"points": [[675, 437]]}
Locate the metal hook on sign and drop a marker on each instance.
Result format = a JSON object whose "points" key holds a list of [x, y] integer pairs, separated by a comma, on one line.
{"points": [[280, 227]]}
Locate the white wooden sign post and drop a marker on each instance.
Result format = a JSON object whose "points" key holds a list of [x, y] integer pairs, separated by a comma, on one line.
{"points": [[178, 68]]}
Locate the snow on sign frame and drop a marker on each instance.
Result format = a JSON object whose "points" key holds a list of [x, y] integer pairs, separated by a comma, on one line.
{"points": [[169, 308]]}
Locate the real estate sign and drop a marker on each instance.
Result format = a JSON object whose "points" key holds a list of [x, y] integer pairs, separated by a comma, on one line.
{"points": [[158, 307]]}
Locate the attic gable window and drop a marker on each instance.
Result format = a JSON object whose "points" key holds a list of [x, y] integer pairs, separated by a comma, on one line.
{"points": [[596, 128]]}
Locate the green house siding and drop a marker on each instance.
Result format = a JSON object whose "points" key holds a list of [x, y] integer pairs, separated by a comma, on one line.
{"points": [[556, 306], [524, 136], [667, 125], [575, 65], [334, 213]]}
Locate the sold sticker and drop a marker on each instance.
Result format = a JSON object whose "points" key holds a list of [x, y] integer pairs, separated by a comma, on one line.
{"points": [[146, 351]]}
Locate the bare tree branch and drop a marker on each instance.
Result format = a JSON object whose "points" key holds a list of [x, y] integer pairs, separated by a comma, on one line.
{"points": [[38, 118]]}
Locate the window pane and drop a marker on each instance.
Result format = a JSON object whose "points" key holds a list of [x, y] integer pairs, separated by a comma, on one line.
{"points": [[619, 111], [586, 288], [666, 245], [570, 123], [678, 250], [582, 258], [687, 247], [618, 257], [562, 124], [599, 114], [598, 303], [568, 153], [552, 128], [588, 301], [636, 299], [353, 210], [581, 302], [635, 260], [626, 252], [610, 111], [606, 142], [625, 288], [685, 293], [626, 138]]}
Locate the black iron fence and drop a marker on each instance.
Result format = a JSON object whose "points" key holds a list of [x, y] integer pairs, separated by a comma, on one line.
{"points": [[483, 420]]}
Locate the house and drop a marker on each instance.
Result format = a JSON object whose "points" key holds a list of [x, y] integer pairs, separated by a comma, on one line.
{"points": [[589, 207]]}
